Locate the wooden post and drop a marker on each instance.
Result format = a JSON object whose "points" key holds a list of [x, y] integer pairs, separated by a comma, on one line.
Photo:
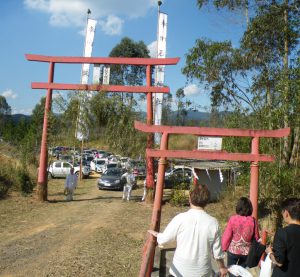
{"points": [[150, 138], [42, 189], [254, 176], [148, 257]]}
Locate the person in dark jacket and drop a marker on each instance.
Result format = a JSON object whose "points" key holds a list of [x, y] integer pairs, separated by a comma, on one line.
{"points": [[285, 253]]}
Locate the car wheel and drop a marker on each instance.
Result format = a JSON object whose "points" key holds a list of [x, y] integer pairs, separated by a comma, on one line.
{"points": [[50, 176], [77, 173]]}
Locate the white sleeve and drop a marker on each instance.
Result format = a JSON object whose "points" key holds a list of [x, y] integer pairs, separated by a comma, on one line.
{"points": [[216, 245], [170, 233]]}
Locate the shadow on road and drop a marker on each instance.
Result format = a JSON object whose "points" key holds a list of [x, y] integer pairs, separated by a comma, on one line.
{"points": [[85, 199]]}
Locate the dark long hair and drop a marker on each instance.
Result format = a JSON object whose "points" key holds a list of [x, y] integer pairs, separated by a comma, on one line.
{"points": [[244, 207]]}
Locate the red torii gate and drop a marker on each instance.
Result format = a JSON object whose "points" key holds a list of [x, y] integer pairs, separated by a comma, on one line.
{"points": [[254, 157], [50, 85]]}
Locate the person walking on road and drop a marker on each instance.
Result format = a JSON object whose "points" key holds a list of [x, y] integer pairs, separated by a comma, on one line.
{"points": [[197, 237], [70, 184], [130, 180], [238, 234]]}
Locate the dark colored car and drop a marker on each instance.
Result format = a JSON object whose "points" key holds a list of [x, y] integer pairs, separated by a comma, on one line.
{"points": [[178, 177], [112, 179]]}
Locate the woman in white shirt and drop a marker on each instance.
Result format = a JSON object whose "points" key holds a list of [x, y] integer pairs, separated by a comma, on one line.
{"points": [[197, 237]]}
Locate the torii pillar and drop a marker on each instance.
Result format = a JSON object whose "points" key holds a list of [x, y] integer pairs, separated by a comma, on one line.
{"points": [[42, 190]]}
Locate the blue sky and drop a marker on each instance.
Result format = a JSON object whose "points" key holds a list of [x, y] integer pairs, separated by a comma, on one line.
{"points": [[56, 27]]}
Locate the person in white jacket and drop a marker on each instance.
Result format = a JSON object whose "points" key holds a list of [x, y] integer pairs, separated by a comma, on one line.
{"points": [[130, 181], [197, 238], [70, 184]]}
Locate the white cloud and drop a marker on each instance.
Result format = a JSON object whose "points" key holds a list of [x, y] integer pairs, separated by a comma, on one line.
{"points": [[9, 94], [22, 111], [112, 26], [191, 90], [42, 5], [64, 13], [152, 47]]}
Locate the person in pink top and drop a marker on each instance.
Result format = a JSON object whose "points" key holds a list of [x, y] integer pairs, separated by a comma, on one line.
{"points": [[238, 234]]}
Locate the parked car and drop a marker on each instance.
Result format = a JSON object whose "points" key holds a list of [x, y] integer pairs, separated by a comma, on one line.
{"points": [[110, 166], [180, 175], [62, 169], [98, 165], [66, 158], [102, 154], [112, 179]]}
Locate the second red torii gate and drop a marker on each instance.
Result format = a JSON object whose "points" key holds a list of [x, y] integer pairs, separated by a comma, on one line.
{"points": [[254, 157], [50, 85]]}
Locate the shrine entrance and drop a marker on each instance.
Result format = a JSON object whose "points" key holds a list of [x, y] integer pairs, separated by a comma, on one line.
{"points": [[163, 153], [51, 85]]}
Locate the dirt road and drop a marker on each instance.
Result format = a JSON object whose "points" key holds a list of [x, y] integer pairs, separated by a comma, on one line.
{"points": [[95, 235]]}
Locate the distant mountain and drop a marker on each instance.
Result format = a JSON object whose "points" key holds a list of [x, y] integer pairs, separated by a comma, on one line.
{"points": [[18, 117], [192, 115], [196, 115]]}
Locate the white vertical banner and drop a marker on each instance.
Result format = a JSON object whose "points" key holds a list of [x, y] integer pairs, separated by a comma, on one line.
{"points": [[82, 130], [88, 48], [160, 69], [97, 74], [106, 75]]}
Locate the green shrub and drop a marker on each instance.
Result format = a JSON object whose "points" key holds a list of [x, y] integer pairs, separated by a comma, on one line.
{"points": [[276, 184], [6, 180], [24, 182], [179, 196]]}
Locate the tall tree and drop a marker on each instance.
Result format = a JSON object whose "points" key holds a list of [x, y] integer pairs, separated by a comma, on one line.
{"points": [[167, 110], [5, 110], [182, 107], [263, 75], [258, 75], [129, 74]]}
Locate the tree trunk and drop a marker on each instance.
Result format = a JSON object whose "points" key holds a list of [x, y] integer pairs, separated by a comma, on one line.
{"points": [[286, 86], [295, 149], [269, 106]]}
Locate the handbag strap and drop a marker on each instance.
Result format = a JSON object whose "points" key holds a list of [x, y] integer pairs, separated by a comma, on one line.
{"points": [[253, 235]]}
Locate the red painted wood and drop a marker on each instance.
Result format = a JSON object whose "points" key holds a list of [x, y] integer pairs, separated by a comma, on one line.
{"points": [[254, 177], [209, 155], [42, 175], [100, 60], [206, 131], [150, 139], [132, 89]]}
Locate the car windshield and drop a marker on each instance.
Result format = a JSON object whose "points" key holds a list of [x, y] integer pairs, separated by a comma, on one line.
{"points": [[100, 162], [113, 172], [111, 165]]}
